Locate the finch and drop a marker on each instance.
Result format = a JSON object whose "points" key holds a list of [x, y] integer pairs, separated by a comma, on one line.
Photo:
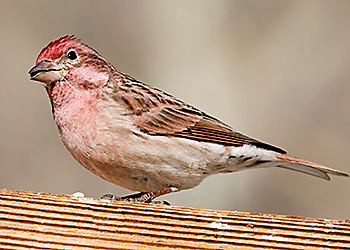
{"points": [[140, 137]]}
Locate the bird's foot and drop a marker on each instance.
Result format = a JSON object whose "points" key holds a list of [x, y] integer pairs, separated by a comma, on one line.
{"points": [[143, 197]]}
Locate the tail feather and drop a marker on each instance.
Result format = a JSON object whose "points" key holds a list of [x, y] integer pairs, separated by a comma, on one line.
{"points": [[307, 167]]}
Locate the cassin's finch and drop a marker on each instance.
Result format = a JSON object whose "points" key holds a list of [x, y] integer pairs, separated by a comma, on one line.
{"points": [[140, 137]]}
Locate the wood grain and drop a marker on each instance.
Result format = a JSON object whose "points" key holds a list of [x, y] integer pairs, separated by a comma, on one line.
{"points": [[31, 220]]}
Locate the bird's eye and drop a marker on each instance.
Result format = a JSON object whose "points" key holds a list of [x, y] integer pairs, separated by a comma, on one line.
{"points": [[72, 55]]}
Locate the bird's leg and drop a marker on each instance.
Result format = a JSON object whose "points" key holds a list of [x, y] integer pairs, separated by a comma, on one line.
{"points": [[148, 197], [143, 197]]}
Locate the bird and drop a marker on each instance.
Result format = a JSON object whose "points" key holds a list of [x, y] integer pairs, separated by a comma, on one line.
{"points": [[140, 137]]}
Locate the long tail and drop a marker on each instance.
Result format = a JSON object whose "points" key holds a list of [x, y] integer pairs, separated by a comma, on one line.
{"points": [[307, 167]]}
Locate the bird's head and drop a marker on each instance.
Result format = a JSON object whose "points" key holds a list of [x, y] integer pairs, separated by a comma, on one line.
{"points": [[69, 60]]}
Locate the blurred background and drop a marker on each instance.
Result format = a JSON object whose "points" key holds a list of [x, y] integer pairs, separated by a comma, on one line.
{"points": [[275, 70]]}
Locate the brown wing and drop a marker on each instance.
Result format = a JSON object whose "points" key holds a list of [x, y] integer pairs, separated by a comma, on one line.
{"points": [[158, 113]]}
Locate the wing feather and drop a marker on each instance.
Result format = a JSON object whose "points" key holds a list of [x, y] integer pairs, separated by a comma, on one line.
{"points": [[158, 113]]}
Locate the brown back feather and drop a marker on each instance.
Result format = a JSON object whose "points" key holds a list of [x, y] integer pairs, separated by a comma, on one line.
{"points": [[158, 113]]}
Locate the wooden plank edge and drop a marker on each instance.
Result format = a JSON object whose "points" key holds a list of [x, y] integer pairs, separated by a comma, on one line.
{"points": [[30, 220]]}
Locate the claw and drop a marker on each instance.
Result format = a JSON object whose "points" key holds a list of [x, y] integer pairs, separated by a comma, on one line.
{"points": [[143, 197], [110, 197]]}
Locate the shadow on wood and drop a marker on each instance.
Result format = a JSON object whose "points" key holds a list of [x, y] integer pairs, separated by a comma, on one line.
{"points": [[43, 221]]}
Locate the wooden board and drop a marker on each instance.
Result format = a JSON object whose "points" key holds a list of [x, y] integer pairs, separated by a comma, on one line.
{"points": [[31, 220]]}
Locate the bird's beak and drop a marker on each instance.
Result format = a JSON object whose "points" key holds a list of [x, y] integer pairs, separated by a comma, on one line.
{"points": [[46, 72]]}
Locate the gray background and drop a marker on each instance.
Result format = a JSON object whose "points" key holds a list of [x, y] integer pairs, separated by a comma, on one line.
{"points": [[275, 70]]}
